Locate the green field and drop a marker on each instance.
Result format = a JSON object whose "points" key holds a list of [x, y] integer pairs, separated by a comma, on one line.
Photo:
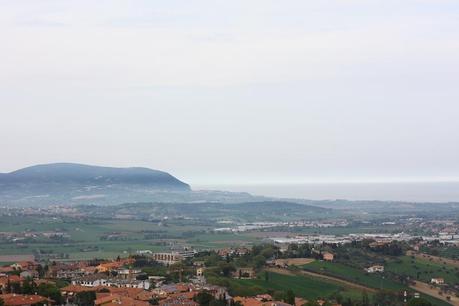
{"points": [[302, 286], [84, 234], [423, 270], [360, 277], [354, 275]]}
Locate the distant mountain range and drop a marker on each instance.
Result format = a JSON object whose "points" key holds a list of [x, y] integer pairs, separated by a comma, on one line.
{"points": [[63, 182]]}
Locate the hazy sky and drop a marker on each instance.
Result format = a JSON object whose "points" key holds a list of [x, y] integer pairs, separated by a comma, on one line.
{"points": [[234, 91]]}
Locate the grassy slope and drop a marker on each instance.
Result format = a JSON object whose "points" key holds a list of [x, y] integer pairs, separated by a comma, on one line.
{"points": [[353, 275], [303, 286], [358, 276], [425, 269]]}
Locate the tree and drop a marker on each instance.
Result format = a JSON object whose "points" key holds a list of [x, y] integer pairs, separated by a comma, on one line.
{"points": [[365, 299], [85, 298], [204, 298], [28, 287], [218, 303], [50, 291], [419, 302], [226, 268], [259, 261], [289, 297]]}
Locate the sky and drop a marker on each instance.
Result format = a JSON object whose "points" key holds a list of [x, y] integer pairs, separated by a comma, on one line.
{"points": [[234, 92]]}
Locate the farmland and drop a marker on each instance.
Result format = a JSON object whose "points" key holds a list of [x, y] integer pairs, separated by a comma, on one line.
{"points": [[303, 286], [353, 274], [101, 238], [423, 270]]}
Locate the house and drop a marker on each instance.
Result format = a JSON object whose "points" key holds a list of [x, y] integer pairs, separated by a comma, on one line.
{"points": [[264, 297], [133, 293], [437, 281], [244, 273], [300, 301], [94, 280], [177, 301], [327, 256], [116, 299], [8, 279], [28, 274], [24, 300], [200, 271], [248, 301], [376, 268], [24, 265], [71, 290], [276, 303], [113, 265], [127, 283]]}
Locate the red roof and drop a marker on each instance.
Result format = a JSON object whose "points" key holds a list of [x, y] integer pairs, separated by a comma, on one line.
{"points": [[22, 299]]}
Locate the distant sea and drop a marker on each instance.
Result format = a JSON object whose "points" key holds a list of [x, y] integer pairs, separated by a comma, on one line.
{"points": [[410, 192]]}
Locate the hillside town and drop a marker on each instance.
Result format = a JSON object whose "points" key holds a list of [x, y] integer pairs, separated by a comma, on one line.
{"points": [[208, 278]]}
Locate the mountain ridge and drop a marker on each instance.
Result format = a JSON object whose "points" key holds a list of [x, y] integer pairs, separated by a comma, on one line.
{"points": [[65, 182], [81, 173]]}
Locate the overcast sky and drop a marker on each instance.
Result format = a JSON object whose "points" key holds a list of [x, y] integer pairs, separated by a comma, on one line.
{"points": [[234, 91]]}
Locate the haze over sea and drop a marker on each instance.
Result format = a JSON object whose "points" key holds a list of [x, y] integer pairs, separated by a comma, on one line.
{"points": [[411, 192]]}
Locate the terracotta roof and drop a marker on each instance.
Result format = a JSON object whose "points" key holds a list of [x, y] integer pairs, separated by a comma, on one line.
{"points": [[117, 299], [77, 288], [134, 293], [249, 301], [177, 302], [22, 299], [11, 278]]}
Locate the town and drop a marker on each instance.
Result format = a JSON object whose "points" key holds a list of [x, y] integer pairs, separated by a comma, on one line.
{"points": [[303, 270]]}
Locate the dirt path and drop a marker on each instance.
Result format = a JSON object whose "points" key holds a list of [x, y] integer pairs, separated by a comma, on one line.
{"points": [[425, 288], [293, 261], [342, 282]]}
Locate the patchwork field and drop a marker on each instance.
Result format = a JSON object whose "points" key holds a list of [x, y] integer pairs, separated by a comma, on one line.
{"points": [[86, 239]]}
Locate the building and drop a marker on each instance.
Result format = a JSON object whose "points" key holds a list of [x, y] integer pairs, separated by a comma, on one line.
{"points": [[437, 281], [128, 273], [374, 269], [248, 301], [244, 273], [115, 299], [168, 258], [177, 301], [25, 300], [91, 280], [327, 256], [200, 271]]}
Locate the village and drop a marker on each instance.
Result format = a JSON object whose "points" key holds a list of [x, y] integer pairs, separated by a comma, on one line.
{"points": [[227, 276]]}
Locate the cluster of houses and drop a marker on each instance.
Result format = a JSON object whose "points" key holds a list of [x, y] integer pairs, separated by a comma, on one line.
{"points": [[267, 300], [116, 282]]}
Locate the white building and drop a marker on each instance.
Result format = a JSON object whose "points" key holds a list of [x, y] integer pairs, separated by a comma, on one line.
{"points": [[437, 281], [374, 269]]}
